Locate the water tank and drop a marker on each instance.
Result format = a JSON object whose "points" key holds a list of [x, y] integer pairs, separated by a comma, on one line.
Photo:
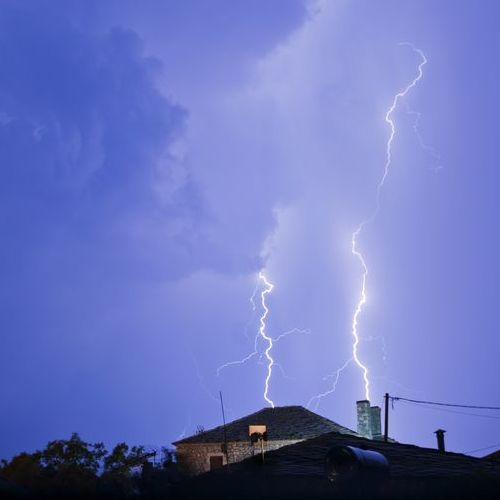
{"points": [[347, 463]]}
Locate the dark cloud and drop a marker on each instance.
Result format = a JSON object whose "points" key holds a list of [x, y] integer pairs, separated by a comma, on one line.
{"points": [[89, 167]]}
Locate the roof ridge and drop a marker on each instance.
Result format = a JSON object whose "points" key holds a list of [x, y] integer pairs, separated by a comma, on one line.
{"points": [[218, 427], [297, 412], [236, 421]]}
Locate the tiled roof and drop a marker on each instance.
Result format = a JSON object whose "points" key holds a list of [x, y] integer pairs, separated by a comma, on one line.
{"points": [[307, 458], [493, 456], [284, 422]]}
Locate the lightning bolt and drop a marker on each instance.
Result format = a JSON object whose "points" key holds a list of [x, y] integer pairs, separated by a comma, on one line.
{"points": [[291, 332], [254, 307], [240, 361], [256, 339], [268, 288], [262, 336], [335, 377], [256, 352], [354, 239], [428, 149]]}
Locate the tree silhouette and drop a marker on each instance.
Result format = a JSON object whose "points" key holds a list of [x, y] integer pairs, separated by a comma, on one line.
{"points": [[73, 468], [64, 468]]}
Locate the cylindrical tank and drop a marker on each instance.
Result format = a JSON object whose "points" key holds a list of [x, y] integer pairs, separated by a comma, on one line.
{"points": [[345, 463]]}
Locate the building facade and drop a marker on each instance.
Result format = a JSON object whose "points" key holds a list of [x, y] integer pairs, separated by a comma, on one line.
{"points": [[252, 436]]}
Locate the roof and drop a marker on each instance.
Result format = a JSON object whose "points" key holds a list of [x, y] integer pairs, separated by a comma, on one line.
{"points": [[493, 456], [282, 422], [307, 458]]}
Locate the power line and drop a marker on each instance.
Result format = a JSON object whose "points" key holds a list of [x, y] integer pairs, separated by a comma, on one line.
{"points": [[485, 448], [474, 407], [457, 412], [446, 407]]}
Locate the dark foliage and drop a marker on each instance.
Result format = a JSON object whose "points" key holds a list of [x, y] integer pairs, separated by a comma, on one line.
{"points": [[74, 468]]}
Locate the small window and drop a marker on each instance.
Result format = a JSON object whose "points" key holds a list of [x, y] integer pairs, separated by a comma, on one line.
{"points": [[216, 461]]}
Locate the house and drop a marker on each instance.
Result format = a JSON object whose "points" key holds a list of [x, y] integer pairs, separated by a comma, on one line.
{"points": [[370, 468], [253, 435]]}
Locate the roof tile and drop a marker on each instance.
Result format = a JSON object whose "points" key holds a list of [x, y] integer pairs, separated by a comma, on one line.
{"points": [[284, 422]]}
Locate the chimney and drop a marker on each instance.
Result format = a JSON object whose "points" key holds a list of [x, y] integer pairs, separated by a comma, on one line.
{"points": [[440, 439], [363, 410], [375, 425], [369, 424]]}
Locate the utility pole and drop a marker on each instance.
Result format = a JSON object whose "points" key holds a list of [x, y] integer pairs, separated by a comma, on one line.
{"points": [[386, 417]]}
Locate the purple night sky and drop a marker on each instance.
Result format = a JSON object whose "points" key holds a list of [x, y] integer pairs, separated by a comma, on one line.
{"points": [[157, 155]]}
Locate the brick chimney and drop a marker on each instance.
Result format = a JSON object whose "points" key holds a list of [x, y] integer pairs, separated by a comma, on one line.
{"points": [[369, 425]]}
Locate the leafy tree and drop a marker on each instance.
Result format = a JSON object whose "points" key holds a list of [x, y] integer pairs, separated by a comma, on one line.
{"points": [[122, 459], [73, 455], [24, 469], [121, 470], [73, 468], [168, 457], [65, 468]]}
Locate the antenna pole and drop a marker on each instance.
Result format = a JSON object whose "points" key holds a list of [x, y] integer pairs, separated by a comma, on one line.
{"points": [[224, 422], [386, 417]]}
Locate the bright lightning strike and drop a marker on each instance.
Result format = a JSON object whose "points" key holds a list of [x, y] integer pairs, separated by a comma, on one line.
{"points": [[268, 288], [262, 337], [354, 239]]}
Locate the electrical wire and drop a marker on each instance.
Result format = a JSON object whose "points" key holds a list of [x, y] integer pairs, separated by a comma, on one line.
{"points": [[454, 411], [485, 448], [431, 405], [474, 407]]}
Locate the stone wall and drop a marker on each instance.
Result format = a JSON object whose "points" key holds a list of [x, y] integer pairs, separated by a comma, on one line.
{"points": [[194, 458]]}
